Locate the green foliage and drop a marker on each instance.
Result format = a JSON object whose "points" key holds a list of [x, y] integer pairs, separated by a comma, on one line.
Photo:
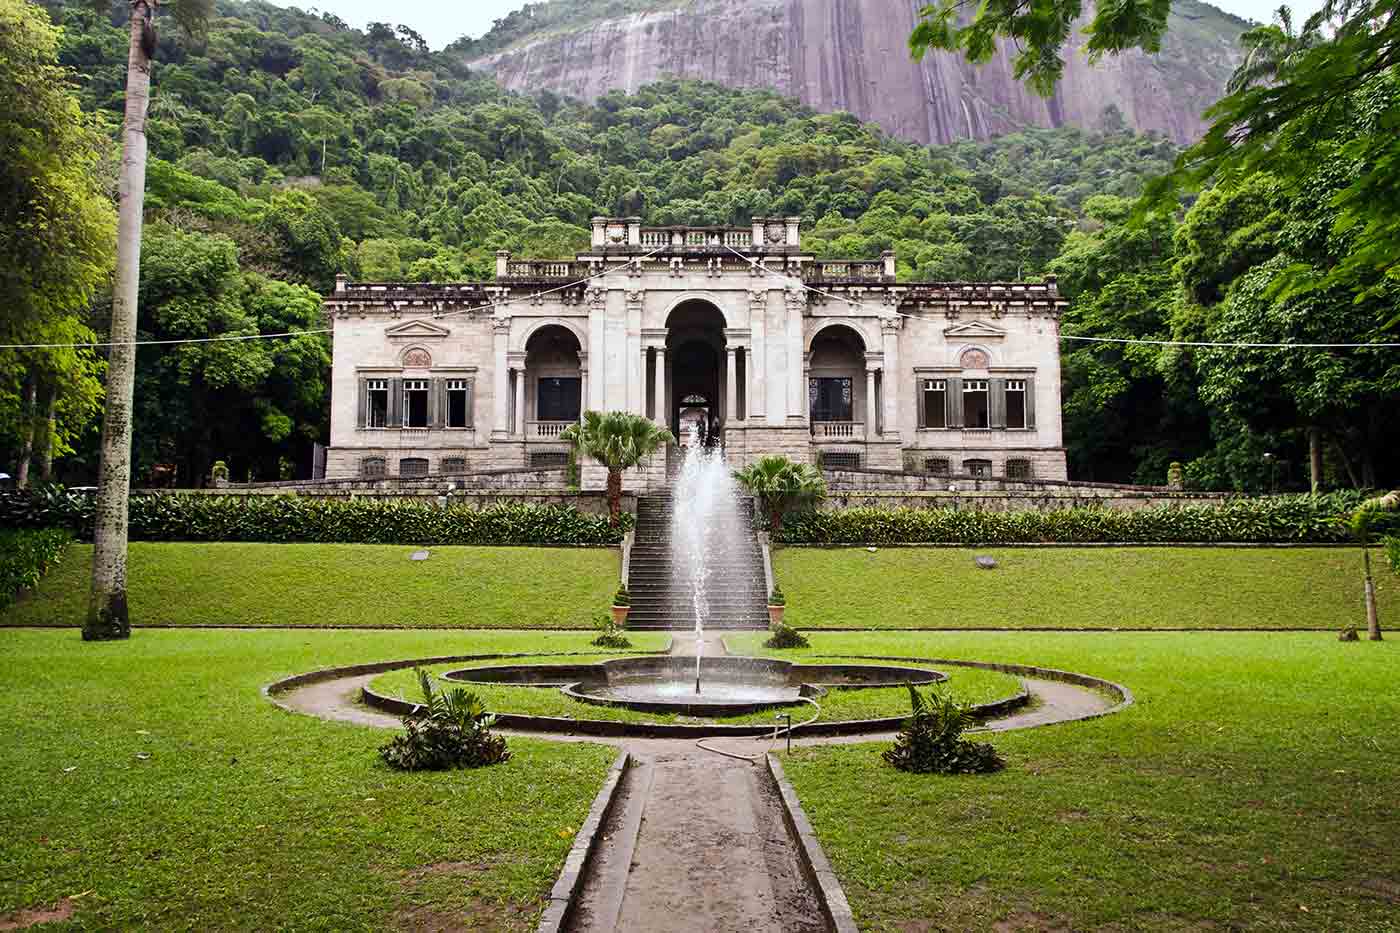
{"points": [[1316, 519], [450, 730], [26, 555], [622, 597], [617, 440], [785, 637], [609, 635], [931, 741], [287, 519], [776, 598], [782, 485], [1363, 520]]}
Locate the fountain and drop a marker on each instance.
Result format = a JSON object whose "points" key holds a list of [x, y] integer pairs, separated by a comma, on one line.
{"points": [[707, 522]]}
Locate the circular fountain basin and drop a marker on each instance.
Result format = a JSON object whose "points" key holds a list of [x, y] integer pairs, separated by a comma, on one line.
{"points": [[667, 684]]}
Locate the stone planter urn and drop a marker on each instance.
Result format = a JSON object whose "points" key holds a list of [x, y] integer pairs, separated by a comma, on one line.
{"points": [[775, 615], [619, 615]]}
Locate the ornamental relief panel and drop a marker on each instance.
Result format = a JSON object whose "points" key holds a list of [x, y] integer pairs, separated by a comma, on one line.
{"points": [[974, 358], [418, 358]]}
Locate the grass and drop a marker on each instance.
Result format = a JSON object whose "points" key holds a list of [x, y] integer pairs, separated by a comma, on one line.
{"points": [[970, 685], [1251, 787], [1153, 588], [339, 584], [248, 817]]}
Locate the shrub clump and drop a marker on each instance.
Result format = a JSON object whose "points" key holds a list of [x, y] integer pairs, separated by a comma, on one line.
{"points": [[932, 743], [609, 635], [450, 730], [25, 556], [785, 636], [1303, 518], [296, 519]]}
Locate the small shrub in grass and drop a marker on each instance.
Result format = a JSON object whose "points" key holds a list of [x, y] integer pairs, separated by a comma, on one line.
{"points": [[609, 635], [452, 730], [622, 597], [25, 556], [932, 743], [785, 636]]}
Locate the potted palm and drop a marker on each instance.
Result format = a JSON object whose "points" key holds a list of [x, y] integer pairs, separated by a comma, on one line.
{"points": [[776, 604], [619, 441], [782, 485], [622, 603]]}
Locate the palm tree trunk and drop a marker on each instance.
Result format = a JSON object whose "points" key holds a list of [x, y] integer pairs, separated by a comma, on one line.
{"points": [[1315, 458], [614, 494], [107, 612], [26, 432], [775, 522], [1373, 622], [45, 447]]}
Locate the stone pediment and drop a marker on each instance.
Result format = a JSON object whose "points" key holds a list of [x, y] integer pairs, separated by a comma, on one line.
{"points": [[974, 330], [416, 330]]}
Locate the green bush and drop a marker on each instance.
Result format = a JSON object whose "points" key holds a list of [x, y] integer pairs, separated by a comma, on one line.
{"points": [[609, 635], [931, 741], [287, 519], [622, 597], [451, 730], [1304, 519], [785, 636], [25, 556]]}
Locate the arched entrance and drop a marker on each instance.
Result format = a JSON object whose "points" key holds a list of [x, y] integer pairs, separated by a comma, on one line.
{"points": [[695, 349], [554, 385]]}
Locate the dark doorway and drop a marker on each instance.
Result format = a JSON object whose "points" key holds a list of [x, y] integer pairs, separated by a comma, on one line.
{"points": [[696, 342]]}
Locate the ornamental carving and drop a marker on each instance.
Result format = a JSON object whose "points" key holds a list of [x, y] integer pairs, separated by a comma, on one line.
{"points": [[617, 233], [597, 298], [758, 299], [418, 358], [775, 234], [796, 299], [501, 325], [974, 359], [634, 296], [891, 325]]}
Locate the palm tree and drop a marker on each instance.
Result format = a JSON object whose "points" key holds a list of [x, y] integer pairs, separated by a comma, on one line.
{"points": [[781, 486], [107, 611], [619, 441], [1362, 525]]}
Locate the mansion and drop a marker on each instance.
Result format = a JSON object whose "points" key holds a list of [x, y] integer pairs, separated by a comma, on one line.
{"points": [[734, 330]]}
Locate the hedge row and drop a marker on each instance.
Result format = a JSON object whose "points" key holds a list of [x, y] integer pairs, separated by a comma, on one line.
{"points": [[1310, 519], [25, 556], [288, 519]]}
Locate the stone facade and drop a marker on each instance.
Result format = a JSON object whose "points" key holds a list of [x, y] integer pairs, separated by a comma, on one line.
{"points": [[735, 329]]}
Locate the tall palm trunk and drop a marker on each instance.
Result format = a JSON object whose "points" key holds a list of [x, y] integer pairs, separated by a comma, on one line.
{"points": [[614, 495], [1373, 622], [26, 429], [44, 445], [107, 612]]}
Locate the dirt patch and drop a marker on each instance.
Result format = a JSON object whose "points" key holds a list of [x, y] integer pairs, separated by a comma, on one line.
{"points": [[442, 869], [24, 919], [1029, 921], [478, 914], [1381, 888]]}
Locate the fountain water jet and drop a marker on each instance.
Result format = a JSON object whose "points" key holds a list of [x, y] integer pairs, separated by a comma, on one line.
{"points": [[707, 522]]}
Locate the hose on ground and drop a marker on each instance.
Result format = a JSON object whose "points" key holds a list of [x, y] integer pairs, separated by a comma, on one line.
{"points": [[778, 732]]}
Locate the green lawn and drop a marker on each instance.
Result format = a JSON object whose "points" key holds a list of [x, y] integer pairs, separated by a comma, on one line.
{"points": [[968, 684], [245, 816], [1147, 587], [1251, 787], [339, 584]]}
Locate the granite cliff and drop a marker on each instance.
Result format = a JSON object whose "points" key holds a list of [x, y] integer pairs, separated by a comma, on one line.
{"points": [[852, 55]]}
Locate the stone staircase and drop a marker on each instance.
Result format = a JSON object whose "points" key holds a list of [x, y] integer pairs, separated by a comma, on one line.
{"points": [[736, 594]]}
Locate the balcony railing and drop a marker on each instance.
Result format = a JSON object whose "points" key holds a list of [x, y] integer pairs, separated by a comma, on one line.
{"points": [[530, 269], [545, 430], [872, 270], [839, 430]]}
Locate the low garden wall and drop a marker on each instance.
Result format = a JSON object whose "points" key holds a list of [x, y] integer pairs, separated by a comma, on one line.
{"points": [[897, 489]]}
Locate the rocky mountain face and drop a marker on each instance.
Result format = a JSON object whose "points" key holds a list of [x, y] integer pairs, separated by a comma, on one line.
{"points": [[853, 55]]}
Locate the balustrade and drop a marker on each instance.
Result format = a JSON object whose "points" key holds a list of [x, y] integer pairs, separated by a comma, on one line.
{"points": [[547, 429], [843, 430]]}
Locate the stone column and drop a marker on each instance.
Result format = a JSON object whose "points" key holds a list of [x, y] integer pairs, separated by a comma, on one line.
{"points": [[500, 401], [661, 415], [797, 375], [871, 412], [890, 328], [582, 383], [518, 366], [758, 312], [635, 354], [597, 348], [731, 385]]}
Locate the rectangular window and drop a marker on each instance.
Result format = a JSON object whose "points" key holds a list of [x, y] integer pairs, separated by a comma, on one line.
{"points": [[830, 398], [372, 467], [1015, 403], [975, 403], [413, 466], [458, 403], [557, 398], [1018, 469], [548, 460], [415, 403], [840, 460], [377, 402], [981, 469], [454, 464], [938, 466], [935, 403]]}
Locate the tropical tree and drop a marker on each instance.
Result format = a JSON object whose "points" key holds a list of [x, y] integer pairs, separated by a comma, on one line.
{"points": [[107, 612], [1363, 526], [782, 485], [618, 440]]}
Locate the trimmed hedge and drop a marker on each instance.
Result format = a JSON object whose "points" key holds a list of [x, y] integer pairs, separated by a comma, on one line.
{"points": [[292, 519], [25, 556], [1304, 519]]}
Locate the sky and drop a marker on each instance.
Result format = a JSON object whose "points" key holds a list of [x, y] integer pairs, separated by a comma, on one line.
{"points": [[443, 21]]}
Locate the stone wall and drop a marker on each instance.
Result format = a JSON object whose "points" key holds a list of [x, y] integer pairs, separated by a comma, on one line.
{"points": [[892, 490]]}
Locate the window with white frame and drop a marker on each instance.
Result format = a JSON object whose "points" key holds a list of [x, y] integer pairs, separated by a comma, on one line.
{"points": [[975, 409], [1015, 403], [415, 403], [935, 403], [459, 403], [377, 402]]}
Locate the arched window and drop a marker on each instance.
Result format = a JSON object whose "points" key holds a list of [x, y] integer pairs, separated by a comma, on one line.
{"points": [[372, 467]]}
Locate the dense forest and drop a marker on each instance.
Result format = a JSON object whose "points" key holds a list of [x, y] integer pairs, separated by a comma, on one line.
{"points": [[287, 147]]}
